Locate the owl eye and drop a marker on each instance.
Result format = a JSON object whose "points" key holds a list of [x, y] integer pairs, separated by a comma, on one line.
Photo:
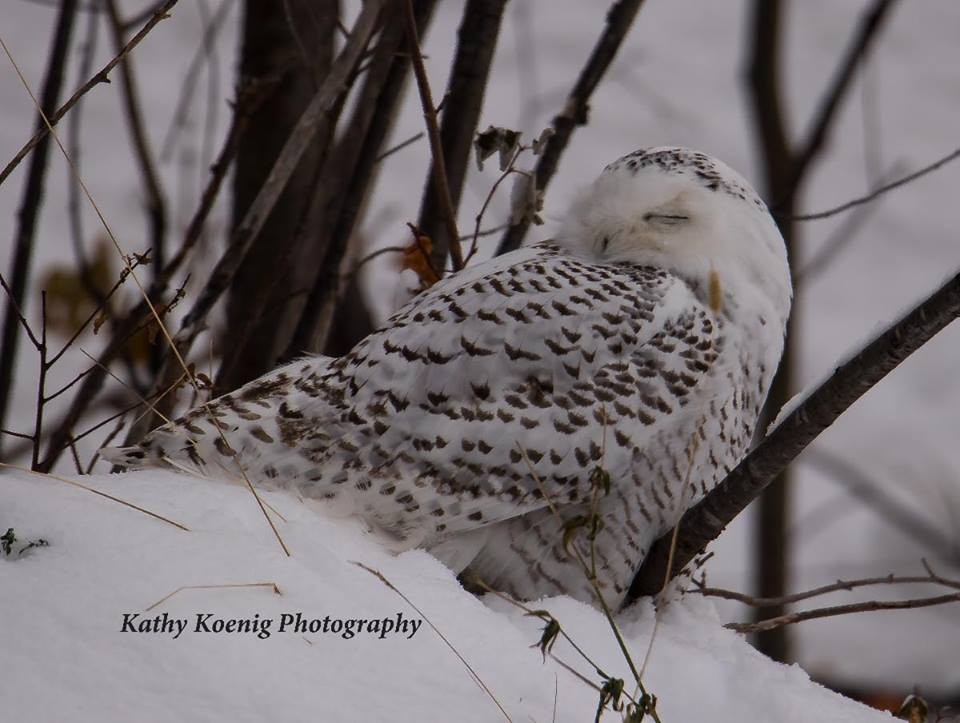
{"points": [[665, 219]]}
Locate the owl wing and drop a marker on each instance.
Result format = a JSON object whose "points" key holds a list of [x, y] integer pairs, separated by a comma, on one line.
{"points": [[509, 383], [496, 390]]}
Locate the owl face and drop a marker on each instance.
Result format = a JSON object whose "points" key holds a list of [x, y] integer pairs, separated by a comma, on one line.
{"points": [[684, 211]]}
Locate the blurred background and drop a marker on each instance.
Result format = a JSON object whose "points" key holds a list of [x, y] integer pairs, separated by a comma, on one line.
{"points": [[815, 102]]}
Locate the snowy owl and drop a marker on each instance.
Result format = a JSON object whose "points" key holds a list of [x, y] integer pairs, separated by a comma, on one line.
{"points": [[640, 341]]}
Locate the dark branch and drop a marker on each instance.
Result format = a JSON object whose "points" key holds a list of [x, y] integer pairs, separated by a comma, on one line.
{"points": [[31, 202], [313, 121], [463, 101], [706, 520], [829, 612], [879, 191], [838, 586], [156, 205], [867, 31], [620, 19], [442, 188], [338, 205], [100, 77], [138, 317]]}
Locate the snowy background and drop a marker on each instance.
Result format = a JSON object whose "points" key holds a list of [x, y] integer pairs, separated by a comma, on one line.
{"points": [[677, 81]]}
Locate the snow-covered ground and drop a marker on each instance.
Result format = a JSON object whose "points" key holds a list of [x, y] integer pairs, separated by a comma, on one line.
{"points": [[677, 81], [68, 656]]}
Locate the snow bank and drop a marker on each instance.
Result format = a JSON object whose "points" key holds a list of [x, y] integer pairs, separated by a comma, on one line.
{"points": [[67, 657]]}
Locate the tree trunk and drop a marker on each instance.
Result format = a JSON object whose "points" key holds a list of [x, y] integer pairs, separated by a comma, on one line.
{"points": [[292, 40]]}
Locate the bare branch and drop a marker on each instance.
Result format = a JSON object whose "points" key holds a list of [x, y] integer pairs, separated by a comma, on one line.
{"points": [[398, 147], [19, 435], [838, 586], [192, 74], [15, 308], [339, 207], [827, 612], [706, 520], [838, 240], [314, 120], [134, 320], [619, 20], [73, 144], [462, 104], [433, 133], [867, 31], [879, 191], [32, 200], [156, 204], [100, 77]]}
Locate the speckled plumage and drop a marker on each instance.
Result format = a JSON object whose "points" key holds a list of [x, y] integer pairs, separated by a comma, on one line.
{"points": [[642, 340]]}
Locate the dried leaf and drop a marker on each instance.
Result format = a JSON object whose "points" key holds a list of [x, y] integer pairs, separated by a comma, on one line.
{"points": [[496, 140], [416, 256]]}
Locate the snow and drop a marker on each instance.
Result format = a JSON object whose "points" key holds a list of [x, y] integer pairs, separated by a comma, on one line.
{"points": [[67, 657]]}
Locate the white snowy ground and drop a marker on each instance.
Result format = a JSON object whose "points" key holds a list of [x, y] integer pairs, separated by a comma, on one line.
{"points": [[677, 81], [66, 656]]}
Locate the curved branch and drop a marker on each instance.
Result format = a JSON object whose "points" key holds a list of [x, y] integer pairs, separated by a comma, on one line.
{"points": [[707, 519]]}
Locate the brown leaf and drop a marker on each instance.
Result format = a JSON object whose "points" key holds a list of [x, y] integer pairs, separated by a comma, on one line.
{"points": [[416, 256]]}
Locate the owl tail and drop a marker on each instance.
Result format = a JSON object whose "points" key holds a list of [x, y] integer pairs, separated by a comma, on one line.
{"points": [[131, 458]]}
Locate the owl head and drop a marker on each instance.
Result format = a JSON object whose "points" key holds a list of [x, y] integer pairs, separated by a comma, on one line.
{"points": [[686, 212]]}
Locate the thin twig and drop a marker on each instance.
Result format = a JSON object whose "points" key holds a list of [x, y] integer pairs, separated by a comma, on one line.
{"points": [[41, 384], [433, 133], [313, 120], [191, 75], [272, 585], [18, 312], [142, 16], [156, 205], [879, 191], [74, 483], [476, 677], [486, 201], [399, 146], [838, 586], [619, 20], [826, 612], [462, 103], [21, 435], [100, 77], [867, 31], [838, 240]]}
